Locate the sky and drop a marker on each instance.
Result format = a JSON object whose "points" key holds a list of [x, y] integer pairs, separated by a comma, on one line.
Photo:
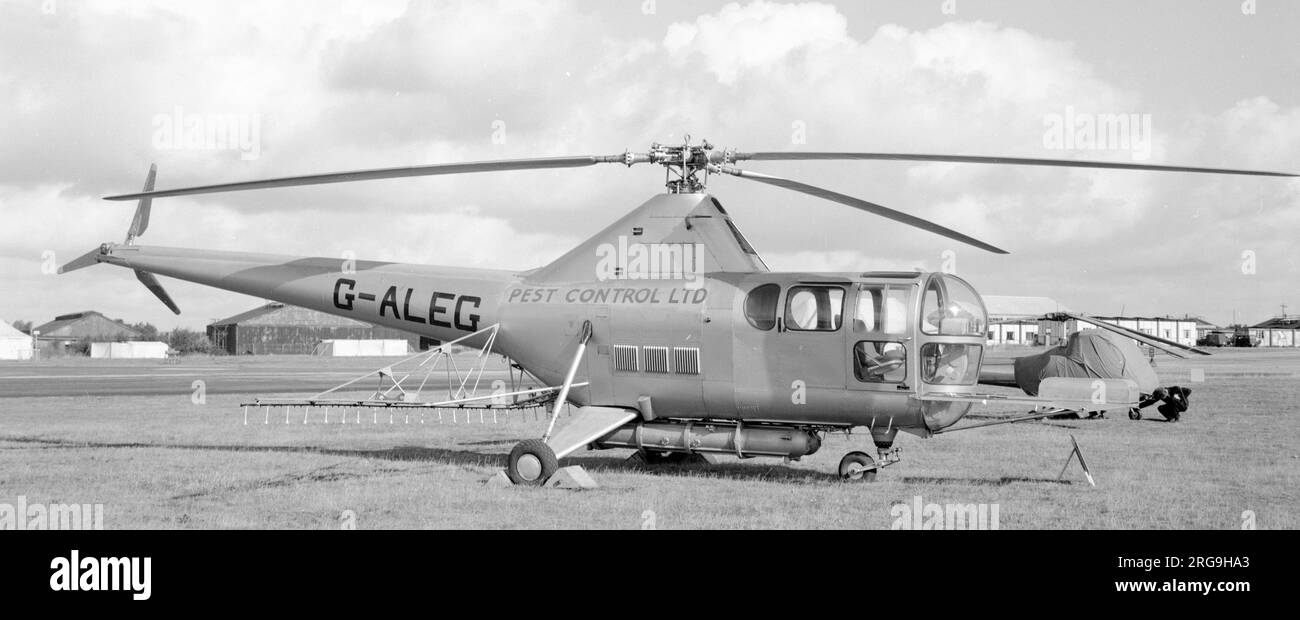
{"points": [[92, 92]]}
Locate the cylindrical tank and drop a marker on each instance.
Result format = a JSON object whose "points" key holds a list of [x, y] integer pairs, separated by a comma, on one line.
{"points": [[714, 437]]}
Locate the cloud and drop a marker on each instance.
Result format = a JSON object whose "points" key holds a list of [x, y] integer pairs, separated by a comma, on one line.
{"points": [[361, 85]]}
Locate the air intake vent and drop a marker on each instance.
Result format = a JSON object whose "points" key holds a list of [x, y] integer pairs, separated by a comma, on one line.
{"points": [[656, 359], [686, 361], [625, 358]]}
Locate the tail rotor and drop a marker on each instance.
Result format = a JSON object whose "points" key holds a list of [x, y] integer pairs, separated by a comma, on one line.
{"points": [[139, 224]]}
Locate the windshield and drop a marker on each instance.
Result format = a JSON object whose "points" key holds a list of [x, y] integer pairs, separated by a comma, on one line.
{"points": [[952, 308]]}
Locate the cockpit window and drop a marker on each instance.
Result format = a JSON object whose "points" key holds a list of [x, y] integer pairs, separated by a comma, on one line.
{"points": [[760, 306], [952, 308], [950, 364], [814, 308]]}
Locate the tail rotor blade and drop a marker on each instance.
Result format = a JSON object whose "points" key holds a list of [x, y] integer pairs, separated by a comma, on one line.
{"points": [[88, 259], [150, 282], [857, 203]]}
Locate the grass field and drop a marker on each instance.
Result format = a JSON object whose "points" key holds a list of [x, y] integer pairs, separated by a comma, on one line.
{"points": [[164, 462]]}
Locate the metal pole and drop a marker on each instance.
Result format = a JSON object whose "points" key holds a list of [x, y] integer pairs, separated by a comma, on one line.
{"points": [[583, 337]]}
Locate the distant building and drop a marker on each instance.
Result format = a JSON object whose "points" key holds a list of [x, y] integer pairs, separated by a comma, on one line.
{"points": [[65, 331], [1203, 327], [14, 345], [280, 329], [1182, 331], [129, 350], [362, 348], [1279, 331], [1014, 320]]}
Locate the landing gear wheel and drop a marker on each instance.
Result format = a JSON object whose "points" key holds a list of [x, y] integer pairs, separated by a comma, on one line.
{"points": [[1134, 413], [858, 466], [531, 463]]}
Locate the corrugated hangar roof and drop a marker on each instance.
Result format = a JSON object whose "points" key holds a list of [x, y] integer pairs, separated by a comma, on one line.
{"points": [[281, 314], [88, 323], [1006, 306]]}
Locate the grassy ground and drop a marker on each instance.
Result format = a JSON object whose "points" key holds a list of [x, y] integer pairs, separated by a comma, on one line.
{"points": [[163, 462]]}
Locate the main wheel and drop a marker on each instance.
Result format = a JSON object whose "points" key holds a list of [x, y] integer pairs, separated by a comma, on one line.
{"points": [[858, 466], [531, 463], [1134, 413]]}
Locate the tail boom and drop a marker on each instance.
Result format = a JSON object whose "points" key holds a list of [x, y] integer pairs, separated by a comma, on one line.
{"points": [[439, 302]]}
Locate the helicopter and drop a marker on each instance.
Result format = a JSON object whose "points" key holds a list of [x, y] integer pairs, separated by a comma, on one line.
{"points": [[667, 329]]}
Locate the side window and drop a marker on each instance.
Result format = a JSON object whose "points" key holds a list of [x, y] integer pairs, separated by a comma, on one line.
{"points": [[881, 309], [870, 314], [760, 306], [879, 362], [814, 308]]}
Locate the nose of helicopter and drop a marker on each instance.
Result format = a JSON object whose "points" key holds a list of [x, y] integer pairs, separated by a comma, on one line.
{"points": [[939, 415]]}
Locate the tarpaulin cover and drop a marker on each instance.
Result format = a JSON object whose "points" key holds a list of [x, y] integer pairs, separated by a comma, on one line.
{"points": [[1090, 353]]}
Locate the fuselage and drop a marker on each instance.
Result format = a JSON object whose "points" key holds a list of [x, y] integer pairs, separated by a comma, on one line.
{"points": [[836, 349], [687, 321]]}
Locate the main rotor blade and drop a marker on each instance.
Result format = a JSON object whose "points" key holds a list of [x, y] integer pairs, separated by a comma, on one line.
{"points": [[869, 207], [381, 173], [974, 159]]}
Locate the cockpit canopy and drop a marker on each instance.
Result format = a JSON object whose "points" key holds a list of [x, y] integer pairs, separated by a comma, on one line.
{"points": [[951, 307]]}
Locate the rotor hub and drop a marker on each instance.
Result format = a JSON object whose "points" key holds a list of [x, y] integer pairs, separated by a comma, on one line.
{"points": [[686, 165]]}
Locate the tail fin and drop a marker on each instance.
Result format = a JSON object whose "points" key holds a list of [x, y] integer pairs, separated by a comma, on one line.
{"points": [[139, 224], [141, 221]]}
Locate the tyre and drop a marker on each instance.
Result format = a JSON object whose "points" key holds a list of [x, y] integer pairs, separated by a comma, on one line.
{"points": [[1134, 413], [858, 466], [531, 463]]}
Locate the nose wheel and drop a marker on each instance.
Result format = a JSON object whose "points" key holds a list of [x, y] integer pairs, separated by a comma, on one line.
{"points": [[858, 466]]}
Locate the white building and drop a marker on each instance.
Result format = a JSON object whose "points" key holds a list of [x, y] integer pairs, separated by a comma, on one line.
{"points": [[1280, 331], [361, 348], [14, 345], [1182, 331], [128, 350], [1014, 320]]}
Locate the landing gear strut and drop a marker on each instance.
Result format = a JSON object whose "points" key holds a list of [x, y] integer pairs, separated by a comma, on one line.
{"points": [[860, 465]]}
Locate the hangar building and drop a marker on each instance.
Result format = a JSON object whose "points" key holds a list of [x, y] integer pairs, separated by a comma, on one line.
{"points": [[67, 330], [281, 329]]}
